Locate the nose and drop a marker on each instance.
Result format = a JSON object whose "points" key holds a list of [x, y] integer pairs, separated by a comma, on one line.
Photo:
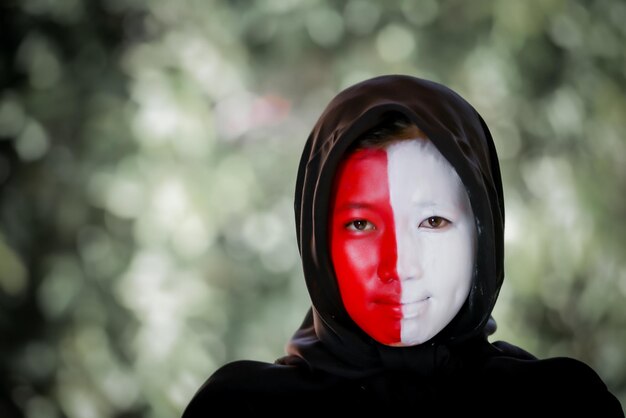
{"points": [[388, 257], [409, 259], [387, 270]]}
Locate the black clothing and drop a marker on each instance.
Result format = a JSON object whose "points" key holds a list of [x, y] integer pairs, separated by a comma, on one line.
{"points": [[331, 361]]}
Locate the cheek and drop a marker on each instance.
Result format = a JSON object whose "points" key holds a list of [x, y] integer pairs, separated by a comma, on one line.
{"points": [[355, 261], [451, 264]]}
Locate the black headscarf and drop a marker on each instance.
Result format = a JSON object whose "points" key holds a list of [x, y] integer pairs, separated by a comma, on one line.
{"points": [[328, 339], [458, 371]]}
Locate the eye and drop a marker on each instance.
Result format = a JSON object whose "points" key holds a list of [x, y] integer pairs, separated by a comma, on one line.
{"points": [[435, 222], [360, 225]]}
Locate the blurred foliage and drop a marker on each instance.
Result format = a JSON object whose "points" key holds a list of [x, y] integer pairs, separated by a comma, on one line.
{"points": [[148, 158]]}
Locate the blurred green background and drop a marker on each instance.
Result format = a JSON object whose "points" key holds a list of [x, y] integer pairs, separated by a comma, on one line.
{"points": [[148, 159]]}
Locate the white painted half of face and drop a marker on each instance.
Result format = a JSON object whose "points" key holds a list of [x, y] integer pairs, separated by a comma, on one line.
{"points": [[436, 238]]}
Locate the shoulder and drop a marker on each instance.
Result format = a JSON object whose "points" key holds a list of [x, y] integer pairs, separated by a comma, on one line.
{"points": [[566, 370], [223, 385], [248, 386], [241, 372], [558, 384]]}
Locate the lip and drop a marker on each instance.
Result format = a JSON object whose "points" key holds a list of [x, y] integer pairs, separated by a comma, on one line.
{"points": [[393, 300], [406, 310], [387, 300], [418, 300], [415, 309]]}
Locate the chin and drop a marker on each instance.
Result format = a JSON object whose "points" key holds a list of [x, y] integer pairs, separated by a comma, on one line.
{"points": [[405, 343], [400, 344]]}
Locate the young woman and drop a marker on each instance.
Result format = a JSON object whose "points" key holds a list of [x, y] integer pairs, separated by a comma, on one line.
{"points": [[400, 219]]}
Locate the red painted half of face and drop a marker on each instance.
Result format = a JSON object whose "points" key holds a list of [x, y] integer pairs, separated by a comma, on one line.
{"points": [[363, 245]]}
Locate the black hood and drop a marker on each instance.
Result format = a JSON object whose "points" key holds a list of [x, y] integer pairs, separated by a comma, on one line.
{"points": [[328, 339]]}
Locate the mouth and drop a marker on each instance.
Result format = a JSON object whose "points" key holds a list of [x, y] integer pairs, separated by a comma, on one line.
{"points": [[414, 309], [406, 310]]}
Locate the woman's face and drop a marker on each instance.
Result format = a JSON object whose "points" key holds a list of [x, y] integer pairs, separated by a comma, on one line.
{"points": [[402, 239]]}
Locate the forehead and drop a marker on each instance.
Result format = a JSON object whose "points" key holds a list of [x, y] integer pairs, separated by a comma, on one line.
{"points": [[362, 173], [416, 163], [420, 152], [419, 167], [420, 156]]}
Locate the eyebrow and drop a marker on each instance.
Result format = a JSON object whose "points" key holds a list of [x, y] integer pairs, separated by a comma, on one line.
{"points": [[426, 204], [355, 205], [433, 205]]}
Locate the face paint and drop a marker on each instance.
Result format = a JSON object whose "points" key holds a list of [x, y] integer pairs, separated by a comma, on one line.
{"points": [[402, 240]]}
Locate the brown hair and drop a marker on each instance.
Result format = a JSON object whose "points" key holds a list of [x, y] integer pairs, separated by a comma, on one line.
{"points": [[395, 127]]}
